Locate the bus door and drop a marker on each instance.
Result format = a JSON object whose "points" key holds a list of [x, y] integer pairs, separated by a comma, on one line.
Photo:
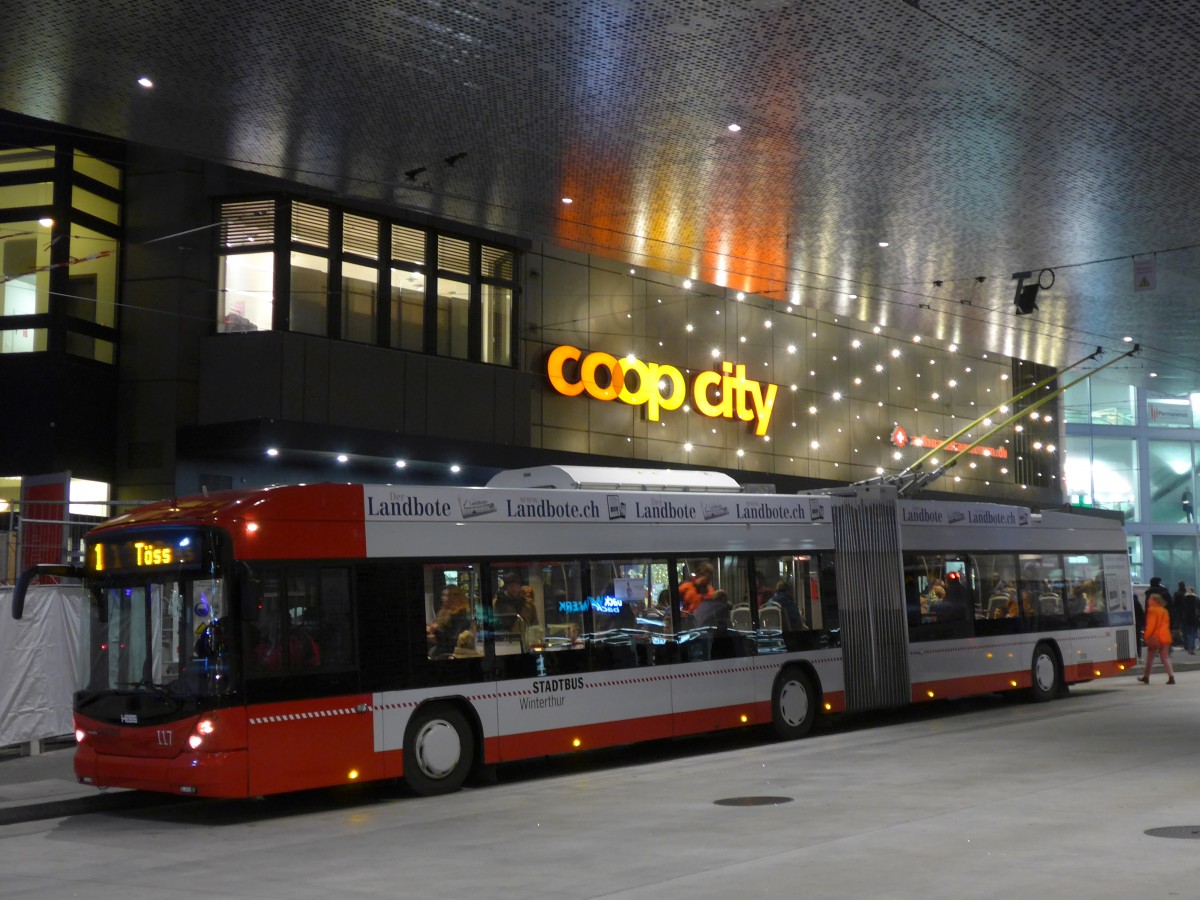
{"points": [[713, 687]]}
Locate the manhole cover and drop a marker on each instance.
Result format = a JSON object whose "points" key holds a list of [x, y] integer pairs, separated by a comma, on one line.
{"points": [[752, 801], [1176, 831]]}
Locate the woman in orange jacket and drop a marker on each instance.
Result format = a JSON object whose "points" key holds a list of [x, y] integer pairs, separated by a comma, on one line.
{"points": [[1158, 636]]}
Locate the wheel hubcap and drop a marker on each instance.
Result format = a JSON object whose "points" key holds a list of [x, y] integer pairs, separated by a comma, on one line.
{"points": [[793, 703], [1043, 672], [438, 750]]}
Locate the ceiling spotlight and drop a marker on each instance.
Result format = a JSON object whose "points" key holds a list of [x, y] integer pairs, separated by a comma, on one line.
{"points": [[272, 451], [145, 82], [735, 127], [567, 200], [342, 457], [883, 243], [741, 296], [400, 464], [46, 222], [687, 284], [456, 468]]}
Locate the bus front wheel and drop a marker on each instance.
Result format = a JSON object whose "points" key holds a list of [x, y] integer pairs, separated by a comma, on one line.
{"points": [[439, 750], [793, 704], [1046, 681]]}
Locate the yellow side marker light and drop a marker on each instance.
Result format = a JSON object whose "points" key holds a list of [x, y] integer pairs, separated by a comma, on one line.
{"points": [[577, 743], [353, 774]]}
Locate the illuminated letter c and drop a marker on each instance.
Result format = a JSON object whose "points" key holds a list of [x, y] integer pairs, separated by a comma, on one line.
{"points": [[554, 369]]}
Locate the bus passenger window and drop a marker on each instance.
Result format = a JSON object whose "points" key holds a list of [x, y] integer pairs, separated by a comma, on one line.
{"points": [[303, 623], [452, 611]]}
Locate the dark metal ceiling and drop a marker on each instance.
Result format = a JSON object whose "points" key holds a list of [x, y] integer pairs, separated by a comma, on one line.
{"points": [[977, 137]]}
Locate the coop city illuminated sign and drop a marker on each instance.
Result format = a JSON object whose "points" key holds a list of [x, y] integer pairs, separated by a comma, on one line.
{"points": [[727, 394]]}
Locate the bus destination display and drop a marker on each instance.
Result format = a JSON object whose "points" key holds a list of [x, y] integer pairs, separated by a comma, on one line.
{"points": [[145, 553]]}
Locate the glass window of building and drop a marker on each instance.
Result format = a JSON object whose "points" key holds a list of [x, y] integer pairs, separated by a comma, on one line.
{"points": [[310, 293], [466, 313], [359, 292], [1103, 472], [1165, 411], [1172, 479], [1112, 403], [1174, 558], [58, 288], [453, 318], [246, 266]]}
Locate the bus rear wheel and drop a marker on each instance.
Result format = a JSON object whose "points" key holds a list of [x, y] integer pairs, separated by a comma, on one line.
{"points": [[1046, 681], [439, 750], [793, 704]]}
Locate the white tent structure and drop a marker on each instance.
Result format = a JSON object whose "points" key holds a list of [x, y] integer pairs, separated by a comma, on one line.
{"points": [[41, 663]]}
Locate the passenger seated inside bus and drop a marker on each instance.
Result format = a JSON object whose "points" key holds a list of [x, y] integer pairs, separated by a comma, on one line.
{"points": [[453, 617], [713, 610], [696, 588], [464, 647], [302, 651], [783, 598], [513, 599]]}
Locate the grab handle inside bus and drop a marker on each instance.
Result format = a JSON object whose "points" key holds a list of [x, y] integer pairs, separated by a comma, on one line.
{"points": [[34, 571]]}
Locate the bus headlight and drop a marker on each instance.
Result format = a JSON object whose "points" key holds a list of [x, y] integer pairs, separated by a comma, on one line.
{"points": [[80, 734]]}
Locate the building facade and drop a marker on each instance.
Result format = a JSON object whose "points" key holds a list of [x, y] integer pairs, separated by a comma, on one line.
{"points": [[171, 325]]}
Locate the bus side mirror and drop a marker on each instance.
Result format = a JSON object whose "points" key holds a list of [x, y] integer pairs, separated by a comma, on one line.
{"points": [[22, 585]]}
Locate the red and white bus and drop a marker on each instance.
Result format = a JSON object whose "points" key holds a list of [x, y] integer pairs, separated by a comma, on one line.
{"points": [[252, 642]]}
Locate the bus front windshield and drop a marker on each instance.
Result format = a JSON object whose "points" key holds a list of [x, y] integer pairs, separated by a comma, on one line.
{"points": [[171, 636]]}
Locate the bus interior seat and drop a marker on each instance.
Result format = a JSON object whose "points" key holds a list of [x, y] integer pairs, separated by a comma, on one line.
{"points": [[771, 618], [739, 617]]}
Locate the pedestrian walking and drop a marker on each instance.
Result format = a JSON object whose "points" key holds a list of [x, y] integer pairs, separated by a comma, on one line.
{"points": [[1158, 632]]}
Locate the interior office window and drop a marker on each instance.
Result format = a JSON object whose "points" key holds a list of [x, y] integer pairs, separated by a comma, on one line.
{"points": [[91, 292], [95, 205], [453, 318], [20, 159], [454, 255], [407, 317], [359, 291], [246, 278], [310, 225], [23, 340], [497, 325], [310, 294], [246, 292], [95, 168]]}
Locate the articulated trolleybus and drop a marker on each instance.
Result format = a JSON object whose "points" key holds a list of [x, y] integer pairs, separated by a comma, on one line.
{"points": [[252, 642]]}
